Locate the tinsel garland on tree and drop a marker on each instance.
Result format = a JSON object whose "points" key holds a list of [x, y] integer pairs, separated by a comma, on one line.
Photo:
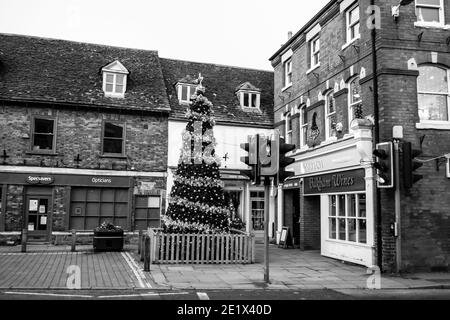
{"points": [[197, 200]]}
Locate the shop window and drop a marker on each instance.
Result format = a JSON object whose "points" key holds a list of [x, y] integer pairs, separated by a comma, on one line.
{"points": [[347, 218], [433, 94], [113, 138], [257, 209], [91, 206], [430, 12], [303, 126], [43, 136], [330, 116], [352, 23], [147, 212], [355, 99]]}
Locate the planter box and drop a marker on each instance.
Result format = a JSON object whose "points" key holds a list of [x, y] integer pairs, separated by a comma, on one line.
{"points": [[108, 241]]}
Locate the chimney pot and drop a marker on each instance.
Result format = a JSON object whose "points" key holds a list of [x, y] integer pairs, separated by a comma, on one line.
{"points": [[289, 34]]}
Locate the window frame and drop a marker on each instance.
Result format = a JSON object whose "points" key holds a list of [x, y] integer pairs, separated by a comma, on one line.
{"points": [[328, 116], [124, 126], [260, 199], [32, 133], [288, 120], [441, 9], [190, 92], [287, 71], [303, 125], [114, 94], [313, 53], [350, 104], [349, 25], [347, 217], [250, 94], [437, 122]]}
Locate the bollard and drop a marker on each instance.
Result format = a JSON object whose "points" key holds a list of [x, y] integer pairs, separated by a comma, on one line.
{"points": [[139, 242], [24, 240], [147, 253], [74, 240], [142, 247]]}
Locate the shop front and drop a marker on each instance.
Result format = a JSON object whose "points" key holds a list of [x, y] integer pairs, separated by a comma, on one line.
{"points": [[46, 202], [334, 185]]}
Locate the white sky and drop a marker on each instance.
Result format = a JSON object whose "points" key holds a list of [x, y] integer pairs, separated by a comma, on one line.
{"points": [[241, 33]]}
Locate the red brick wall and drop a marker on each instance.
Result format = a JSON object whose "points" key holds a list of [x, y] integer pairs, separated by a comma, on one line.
{"points": [[310, 223]]}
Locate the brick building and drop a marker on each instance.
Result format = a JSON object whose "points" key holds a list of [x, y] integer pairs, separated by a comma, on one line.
{"points": [[83, 131], [335, 99], [243, 105]]}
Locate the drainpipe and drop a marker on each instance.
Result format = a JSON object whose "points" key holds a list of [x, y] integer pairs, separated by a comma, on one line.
{"points": [[377, 139]]}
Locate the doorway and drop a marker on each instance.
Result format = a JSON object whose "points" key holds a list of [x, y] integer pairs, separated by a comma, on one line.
{"points": [[292, 213], [38, 208]]}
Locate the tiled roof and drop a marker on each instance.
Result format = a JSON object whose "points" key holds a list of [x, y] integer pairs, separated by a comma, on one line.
{"points": [[60, 71], [220, 83]]}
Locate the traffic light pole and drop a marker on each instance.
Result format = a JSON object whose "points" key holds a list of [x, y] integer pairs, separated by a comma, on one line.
{"points": [[398, 234], [266, 228]]}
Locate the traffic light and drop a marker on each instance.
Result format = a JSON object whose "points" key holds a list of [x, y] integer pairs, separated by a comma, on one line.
{"points": [[384, 164], [410, 165], [252, 159], [284, 161]]}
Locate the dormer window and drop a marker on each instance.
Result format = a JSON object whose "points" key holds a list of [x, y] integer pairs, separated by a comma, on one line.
{"points": [[114, 80], [249, 96], [249, 99], [185, 92]]}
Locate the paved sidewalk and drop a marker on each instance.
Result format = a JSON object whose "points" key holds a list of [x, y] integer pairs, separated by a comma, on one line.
{"points": [[289, 269], [47, 267]]}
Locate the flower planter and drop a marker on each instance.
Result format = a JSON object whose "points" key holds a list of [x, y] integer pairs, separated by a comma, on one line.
{"points": [[108, 240]]}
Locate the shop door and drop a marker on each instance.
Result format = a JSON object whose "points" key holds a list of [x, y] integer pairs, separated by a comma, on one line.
{"points": [[37, 217]]}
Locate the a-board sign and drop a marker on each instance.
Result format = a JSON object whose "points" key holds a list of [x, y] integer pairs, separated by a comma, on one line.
{"points": [[285, 238]]}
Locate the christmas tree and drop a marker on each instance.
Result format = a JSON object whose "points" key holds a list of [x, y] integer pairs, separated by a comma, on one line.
{"points": [[197, 201]]}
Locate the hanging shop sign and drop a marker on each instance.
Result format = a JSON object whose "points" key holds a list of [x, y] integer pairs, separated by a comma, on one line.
{"points": [[345, 181], [292, 184]]}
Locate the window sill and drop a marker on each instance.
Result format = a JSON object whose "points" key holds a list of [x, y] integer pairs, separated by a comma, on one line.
{"points": [[350, 43], [351, 243], [430, 125], [42, 153], [286, 87], [115, 156], [114, 95], [420, 24], [313, 68]]}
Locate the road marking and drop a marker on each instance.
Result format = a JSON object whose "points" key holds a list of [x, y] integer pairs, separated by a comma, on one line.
{"points": [[36, 253], [140, 277], [202, 296], [49, 294], [142, 295], [139, 270]]}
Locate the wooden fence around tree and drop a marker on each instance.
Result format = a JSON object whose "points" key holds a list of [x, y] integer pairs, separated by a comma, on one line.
{"points": [[166, 248]]}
